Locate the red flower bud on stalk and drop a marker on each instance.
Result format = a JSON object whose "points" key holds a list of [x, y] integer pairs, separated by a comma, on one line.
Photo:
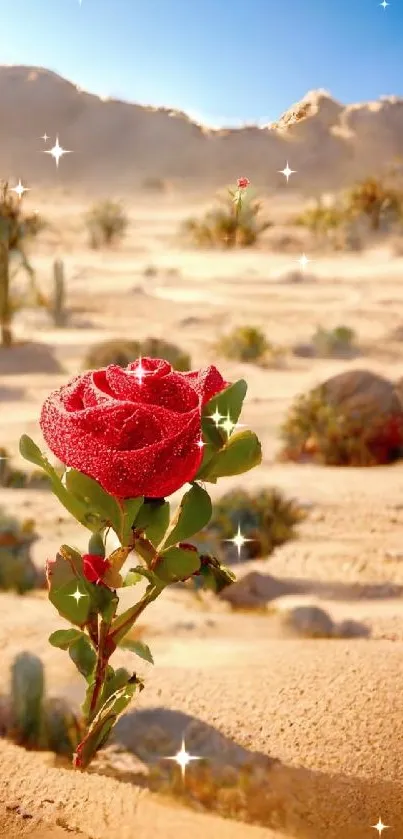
{"points": [[95, 567], [243, 183]]}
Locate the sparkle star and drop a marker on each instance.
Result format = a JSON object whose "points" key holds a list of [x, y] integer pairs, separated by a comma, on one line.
{"points": [[182, 758], [78, 595], [287, 172], [19, 189], [238, 540], [384, 4], [57, 152], [229, 426], [304, 261], [380, 827], [216, 417], [45, 137], [201, 443], [140, 372]]}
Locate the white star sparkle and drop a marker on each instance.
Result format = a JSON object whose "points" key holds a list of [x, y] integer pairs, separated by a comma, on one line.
{"points": [[216, 417], [228, 425], [182, 758], [19, 189], [287, 172], [201, 443], [57, 152], [384, 4], [45, 137], [140, 372], [380, 827], [78, 595], [304, 261], [238, 540]]}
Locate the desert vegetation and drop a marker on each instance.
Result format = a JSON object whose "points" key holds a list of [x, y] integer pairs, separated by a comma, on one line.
{"points": [[106, 223], [228, 226]]}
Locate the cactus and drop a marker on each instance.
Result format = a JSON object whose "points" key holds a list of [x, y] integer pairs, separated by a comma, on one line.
{"points": [[27, 692], [34, 721], [59, 297], [17, 570], [266, 518], [122, 352], [14, 229]]}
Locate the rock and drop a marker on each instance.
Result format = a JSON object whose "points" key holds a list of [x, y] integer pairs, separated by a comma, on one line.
{"points": [[308, 622], [363, 393], [255, 590]]}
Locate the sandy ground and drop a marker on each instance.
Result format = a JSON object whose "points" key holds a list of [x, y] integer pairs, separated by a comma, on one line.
{"points": [[323, 715]]}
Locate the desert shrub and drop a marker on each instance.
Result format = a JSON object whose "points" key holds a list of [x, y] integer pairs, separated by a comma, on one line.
{"points": [[17, 570], [322, 221], [107, 223], [228, 226], [266, 517], [35, 721], [244, 343], [345, 429], [375, 200], [122, 352], [334, 343]]}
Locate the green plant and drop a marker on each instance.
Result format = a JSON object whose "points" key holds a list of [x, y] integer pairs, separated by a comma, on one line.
{"points": [[265, 517], [322, 221], [107, 223], [37, 722], [374, 199], [17, 570], [317, 429], [235, 224], [27, 693], [15, 229], [331, 343], [17, 478], [121, 352], [244, 343]]}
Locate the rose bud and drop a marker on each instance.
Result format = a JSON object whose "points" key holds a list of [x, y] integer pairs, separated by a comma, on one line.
{"points": [[243, 183], [95, 567]]}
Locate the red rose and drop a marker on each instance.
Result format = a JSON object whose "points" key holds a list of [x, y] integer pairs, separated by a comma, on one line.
{"points": [[243, 183], [95, 567], [136, 431]]}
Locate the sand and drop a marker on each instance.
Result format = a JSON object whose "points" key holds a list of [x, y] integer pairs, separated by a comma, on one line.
{"points": [[319, 719]]}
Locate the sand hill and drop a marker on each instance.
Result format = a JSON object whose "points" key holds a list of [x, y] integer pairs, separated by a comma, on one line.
{"points": [[118, 144]]}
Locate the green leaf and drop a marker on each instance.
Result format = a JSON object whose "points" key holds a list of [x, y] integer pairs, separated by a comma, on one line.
{"points": [[90, 492], [68, 591], [177, 564], [194, 512], [104, 601], [114, 680], [216, 576], [84, 657], [241, 453], [30, 451], [153, 519], [137, 647], [129, 512], [62, 638], [104, 721], [227, 403], [132, 578]]}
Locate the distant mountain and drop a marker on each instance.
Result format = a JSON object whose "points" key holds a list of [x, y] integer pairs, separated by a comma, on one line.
{"points": [[117, 144]]}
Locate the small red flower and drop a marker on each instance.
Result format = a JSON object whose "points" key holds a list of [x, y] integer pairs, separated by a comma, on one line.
{"points": [[243, 183], [95, 567]]}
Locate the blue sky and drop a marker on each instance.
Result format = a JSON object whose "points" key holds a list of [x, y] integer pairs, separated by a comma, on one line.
{"points": [[222, 61]]}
